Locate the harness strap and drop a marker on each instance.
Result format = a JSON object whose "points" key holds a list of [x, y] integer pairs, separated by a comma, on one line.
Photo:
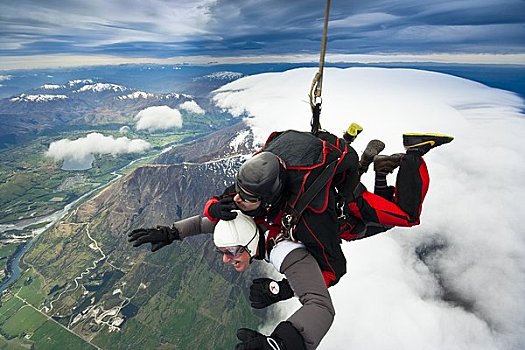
{"points": [[290, 219], [316, 119]]}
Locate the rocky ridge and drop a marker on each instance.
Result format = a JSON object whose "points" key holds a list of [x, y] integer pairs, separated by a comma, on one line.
{"points": [[176, 186]]}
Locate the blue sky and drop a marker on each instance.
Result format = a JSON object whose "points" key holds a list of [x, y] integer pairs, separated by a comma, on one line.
{"points": [[156, 30]]}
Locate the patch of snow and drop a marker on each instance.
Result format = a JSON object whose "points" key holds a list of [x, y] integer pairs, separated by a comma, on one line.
{"points": [[239, 139], [99, 87], [73, 83], [136, 95], [171, 95], [224, 75], [51, 86], [38, 98]]}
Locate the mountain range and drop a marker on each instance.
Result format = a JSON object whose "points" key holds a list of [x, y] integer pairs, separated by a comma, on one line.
{"points": [[75, 105], [85, 275], [195, 291]]}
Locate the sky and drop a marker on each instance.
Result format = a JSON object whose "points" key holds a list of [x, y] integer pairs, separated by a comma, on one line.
{"points": [[76, 32], [457, 280]]}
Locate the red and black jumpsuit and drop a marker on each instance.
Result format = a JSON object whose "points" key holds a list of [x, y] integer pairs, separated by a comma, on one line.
{"points": [[322, 233], [399, 207]]}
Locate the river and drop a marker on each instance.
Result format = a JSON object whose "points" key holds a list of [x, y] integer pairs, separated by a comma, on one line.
{"points": [[13, 265]]}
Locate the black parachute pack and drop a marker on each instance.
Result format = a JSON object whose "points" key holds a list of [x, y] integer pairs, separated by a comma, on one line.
{"points": [[315, 165]]}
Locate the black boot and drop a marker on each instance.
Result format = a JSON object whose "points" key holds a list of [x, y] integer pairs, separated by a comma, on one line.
{"points": [[424, 142]]}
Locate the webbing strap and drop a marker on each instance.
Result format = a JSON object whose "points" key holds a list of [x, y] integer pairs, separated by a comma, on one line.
{"points": [[316, 119], [313, 190]]}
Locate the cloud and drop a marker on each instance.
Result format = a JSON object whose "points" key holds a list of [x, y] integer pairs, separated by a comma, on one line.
{"points": [[78, 154], [192, 106], [99, 22], [364, 20], [456, 281], [158, 118], [160, 29]]}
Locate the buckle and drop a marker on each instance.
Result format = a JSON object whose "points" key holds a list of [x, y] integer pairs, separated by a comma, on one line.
{"points": [[287, 221]]}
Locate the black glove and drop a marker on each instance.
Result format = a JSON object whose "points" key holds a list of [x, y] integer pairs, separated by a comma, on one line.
{"points": [[284, 337], [223, 209], [253, 340], [158, 237], [265, 292]]}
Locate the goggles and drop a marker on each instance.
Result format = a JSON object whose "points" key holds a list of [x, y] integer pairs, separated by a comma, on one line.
{"points": [[245, 196], [233, 252]]}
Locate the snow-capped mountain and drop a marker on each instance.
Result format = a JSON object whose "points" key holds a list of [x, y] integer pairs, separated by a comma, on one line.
{"points": [[77, 82], [80, 101], [224, 76], [37, 98], [136, 95], [52, 87], [101, 87]]}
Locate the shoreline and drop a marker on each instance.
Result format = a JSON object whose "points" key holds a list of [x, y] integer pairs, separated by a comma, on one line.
{"points": [[12, 267]]}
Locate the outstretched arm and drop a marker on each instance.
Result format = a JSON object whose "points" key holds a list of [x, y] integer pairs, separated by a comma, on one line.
{"points": [[194, 225], [163, 235]]}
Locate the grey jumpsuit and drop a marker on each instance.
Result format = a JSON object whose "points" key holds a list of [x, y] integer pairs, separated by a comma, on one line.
{"points": [[315, 316]]}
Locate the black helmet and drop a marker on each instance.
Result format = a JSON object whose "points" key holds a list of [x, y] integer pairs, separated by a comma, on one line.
{"points": [[261, 177]]}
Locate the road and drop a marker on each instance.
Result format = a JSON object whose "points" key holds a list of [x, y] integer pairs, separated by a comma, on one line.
{"points": [[52, 320]]}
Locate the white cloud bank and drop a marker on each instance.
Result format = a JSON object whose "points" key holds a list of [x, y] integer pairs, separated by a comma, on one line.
{"points": [[158, 118], [456, 281], [79, 154], [192, 106]]}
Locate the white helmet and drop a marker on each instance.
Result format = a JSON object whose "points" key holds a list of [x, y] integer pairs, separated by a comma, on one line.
{"points": [[241, 231]]}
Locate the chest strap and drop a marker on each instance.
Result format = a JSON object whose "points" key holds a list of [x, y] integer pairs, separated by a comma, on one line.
{"points": [[290, 219]]}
